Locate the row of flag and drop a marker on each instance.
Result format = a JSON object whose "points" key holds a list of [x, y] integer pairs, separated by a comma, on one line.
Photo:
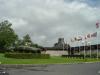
{"points": [[91, 35], [88, 36]]}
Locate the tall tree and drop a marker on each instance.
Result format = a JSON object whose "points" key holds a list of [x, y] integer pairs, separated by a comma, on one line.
{"points": [[7, 34]]}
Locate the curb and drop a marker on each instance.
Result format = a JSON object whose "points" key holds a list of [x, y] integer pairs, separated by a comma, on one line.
{"points": [[40, 65]]}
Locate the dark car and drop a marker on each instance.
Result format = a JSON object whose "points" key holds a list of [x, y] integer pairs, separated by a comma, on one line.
{"points": [[3, 72]]}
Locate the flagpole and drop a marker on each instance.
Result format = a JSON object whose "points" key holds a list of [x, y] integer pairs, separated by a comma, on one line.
{"points": [[79, 48], [79, 42], [70, 45], [97, 52], [97, 26], [69, 48], [90, 48], [84, 51], [84, 48], [97, 46], [63, 46]]}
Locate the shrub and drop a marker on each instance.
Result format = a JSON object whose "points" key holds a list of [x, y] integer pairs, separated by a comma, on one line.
{"points": [[26, 49], [27, 55]]}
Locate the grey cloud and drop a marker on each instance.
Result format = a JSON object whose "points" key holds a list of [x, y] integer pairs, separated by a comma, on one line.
{"points": [[49, 19]]}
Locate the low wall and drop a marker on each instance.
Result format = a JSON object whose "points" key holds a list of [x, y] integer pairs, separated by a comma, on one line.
{"points": [[56, 53]]}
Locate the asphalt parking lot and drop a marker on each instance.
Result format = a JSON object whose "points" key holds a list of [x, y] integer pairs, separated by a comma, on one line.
{"points": [[71, 69]]}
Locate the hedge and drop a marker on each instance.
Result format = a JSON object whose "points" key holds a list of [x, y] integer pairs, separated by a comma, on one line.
{"points": [[26, 49], [92, 56], [27, 55], [73, 56]]}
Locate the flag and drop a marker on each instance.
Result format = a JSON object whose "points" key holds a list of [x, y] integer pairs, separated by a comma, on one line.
{"points": [[88, 36], [85, 37], [75, 39], [78, 38], [97, 25], [72, 40], [94, 34]]}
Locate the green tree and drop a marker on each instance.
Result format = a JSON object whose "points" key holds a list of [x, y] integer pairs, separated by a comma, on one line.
{"points": [[27, 40], [18, 42], [7, 35], [36, 45]]}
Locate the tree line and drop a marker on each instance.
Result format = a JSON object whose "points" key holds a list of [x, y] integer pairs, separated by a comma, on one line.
{"points": [[9, 39]]}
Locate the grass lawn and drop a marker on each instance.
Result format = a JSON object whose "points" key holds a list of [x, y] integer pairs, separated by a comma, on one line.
{"points": [[52, 60]]}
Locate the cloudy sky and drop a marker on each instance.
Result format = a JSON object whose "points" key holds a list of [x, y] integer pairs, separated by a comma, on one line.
{"points": [[47, 20]]}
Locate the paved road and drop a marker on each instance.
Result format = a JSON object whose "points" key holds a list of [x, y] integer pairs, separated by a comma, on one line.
{"points": [[75, 69]]}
